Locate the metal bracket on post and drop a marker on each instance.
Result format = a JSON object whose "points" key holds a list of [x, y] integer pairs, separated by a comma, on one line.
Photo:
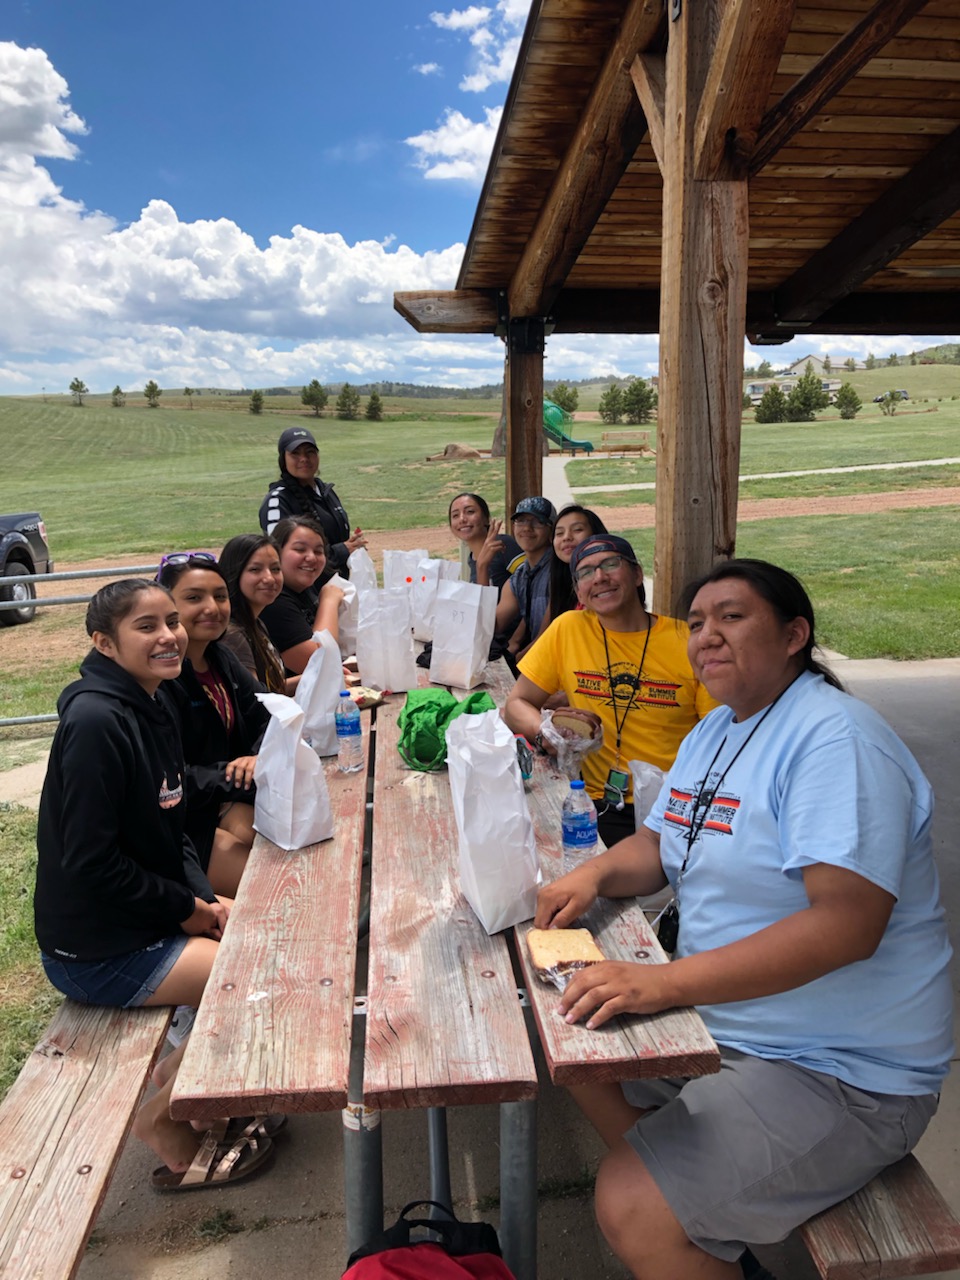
{"points": [[675, 8], [527, 335], [503, 314]]}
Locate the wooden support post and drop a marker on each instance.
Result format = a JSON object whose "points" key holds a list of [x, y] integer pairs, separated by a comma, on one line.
{"points": [[703, 295], [524, 371]]}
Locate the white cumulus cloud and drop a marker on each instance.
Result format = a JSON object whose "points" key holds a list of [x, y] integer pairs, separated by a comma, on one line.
{"points": [[459, 147], [428, 68], [462, 19]]}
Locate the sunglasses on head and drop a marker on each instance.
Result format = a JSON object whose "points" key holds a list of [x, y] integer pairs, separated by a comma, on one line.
{"points": [[184, 557]]}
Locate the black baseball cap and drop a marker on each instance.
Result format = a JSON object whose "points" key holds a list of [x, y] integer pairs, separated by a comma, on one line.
{"points": [[293, 437]]}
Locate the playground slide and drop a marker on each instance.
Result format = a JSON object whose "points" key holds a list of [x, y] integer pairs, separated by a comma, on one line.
{"points": [[555, 420]]}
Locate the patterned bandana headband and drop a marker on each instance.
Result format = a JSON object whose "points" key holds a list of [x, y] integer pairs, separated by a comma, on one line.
{"points": [[602, 542]]}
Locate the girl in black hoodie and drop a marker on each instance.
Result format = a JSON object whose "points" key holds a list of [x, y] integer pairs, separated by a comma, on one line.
{"points": [[124, 914], [221, 722]]}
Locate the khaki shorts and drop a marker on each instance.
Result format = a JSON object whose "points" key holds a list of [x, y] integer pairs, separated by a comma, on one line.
{"points": [[745, 1156]]}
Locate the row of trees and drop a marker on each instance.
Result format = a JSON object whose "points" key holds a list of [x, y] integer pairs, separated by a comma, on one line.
{"points": [[316, 397], [804, 401], [637, 402], [118, 397]]}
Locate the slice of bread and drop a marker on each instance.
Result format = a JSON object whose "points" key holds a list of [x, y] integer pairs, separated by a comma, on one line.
{"points": [[562, 950], [564, 720]]}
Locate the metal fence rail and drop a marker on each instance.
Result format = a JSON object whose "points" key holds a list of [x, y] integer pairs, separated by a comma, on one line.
{"points": [[136, 571], [124, 571]]}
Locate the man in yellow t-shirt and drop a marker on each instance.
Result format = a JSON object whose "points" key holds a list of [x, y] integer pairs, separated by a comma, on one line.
{"points": [[615, 659]]}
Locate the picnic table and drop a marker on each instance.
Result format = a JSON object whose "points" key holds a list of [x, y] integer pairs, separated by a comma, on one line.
{"points": [[439, 1021]]}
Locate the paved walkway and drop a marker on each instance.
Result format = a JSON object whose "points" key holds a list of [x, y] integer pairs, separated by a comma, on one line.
{"points": [[554, 476]]}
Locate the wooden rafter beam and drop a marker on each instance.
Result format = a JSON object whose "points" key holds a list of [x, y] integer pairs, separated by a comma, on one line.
{"points": [[904, 214], [649, 76], [638, 311], [746, 55], [840, 64], [610, 130]]}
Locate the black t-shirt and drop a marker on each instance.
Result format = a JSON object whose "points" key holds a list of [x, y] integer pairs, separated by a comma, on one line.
{"points": [[289, 620]]}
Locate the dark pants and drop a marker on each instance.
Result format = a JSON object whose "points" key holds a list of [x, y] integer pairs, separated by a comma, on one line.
{"points": [[615, 824]]}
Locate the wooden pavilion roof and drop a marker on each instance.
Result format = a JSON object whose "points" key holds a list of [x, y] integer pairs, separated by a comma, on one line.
{"points": [[854, 170]]}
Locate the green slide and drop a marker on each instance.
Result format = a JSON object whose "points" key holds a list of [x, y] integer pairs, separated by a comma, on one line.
{"points": [[555, 420]]}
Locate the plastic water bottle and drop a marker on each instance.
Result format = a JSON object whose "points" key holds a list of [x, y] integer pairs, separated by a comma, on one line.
{"points": [[579, 823], [349, 742]]}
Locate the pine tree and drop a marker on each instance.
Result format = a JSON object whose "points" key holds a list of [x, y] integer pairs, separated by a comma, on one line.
{"points": [[893, 360], [827, 365], [850, 364], [566, 397], [117, 398], [78, 389], [348, 402], [806, 397], [256, 402], [188, 392], [848, 402], [315, 397], [152, 393], [639, 401], [611, 404], [871, 361], [772, 406], [374, 410]]}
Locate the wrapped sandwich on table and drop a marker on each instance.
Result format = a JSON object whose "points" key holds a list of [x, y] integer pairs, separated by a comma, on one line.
{"points": [[557, 954]]}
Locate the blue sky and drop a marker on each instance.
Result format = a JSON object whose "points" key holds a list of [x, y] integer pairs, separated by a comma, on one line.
{"points": [[225, 194]]}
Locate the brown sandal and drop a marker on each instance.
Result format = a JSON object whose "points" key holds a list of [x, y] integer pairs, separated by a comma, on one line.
{"points": [[218, 1163]]}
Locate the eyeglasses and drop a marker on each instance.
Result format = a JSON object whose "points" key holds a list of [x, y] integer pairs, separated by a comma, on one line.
{"points": [[184, 557], [610, 565]]}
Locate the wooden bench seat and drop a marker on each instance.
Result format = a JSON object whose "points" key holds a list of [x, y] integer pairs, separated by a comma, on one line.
{"points": [[623, 441], [62, 1127], [898, 1225]]}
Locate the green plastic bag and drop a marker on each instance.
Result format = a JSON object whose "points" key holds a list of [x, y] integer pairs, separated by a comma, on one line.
{"points": [[423, 724]]}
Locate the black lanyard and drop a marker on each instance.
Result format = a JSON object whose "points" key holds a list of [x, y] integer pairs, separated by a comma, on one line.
{"points": [[620, 721], [705, 797]]}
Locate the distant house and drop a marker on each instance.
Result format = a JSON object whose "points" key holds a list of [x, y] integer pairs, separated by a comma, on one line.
{"points": [[837, 365]]}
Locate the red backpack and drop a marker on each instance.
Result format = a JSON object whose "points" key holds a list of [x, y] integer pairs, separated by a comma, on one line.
{"points": [[466, 1251]]}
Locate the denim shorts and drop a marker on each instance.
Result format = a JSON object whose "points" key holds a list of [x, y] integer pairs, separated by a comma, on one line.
{"points": [[121, 982]]}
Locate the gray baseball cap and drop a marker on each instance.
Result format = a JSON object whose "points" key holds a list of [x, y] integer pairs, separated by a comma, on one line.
{"points": [[541, 508]]}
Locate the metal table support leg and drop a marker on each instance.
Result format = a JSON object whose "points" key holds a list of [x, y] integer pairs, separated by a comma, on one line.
{"points": [[439, 1157], [362, 1149], [518, 1187]]}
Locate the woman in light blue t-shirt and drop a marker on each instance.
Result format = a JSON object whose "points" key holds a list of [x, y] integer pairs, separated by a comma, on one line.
{"points": [[795, 831]]}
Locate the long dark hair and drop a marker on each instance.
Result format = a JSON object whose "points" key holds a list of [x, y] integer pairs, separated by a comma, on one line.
{"points": [[563, 594], [783, 592], [233, 560]]}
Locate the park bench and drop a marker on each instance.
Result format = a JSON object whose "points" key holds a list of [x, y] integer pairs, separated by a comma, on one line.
{"points": [[62, 1127], [897, 1225], [625, 441]]}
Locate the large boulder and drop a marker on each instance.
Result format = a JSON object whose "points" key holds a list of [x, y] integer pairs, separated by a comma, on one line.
{"points": [[455, 453]]}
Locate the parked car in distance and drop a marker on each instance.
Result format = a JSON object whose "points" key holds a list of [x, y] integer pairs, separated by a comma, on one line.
{"points": [[902, 394], [23, 551]]}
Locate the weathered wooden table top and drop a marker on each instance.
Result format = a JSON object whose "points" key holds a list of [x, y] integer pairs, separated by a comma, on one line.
{"points": [[273, 1030], [444, 1022], [635, 1046]]}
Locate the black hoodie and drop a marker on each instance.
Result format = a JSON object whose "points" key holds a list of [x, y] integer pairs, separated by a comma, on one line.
{"points": [[207, 747], [115, 872]]}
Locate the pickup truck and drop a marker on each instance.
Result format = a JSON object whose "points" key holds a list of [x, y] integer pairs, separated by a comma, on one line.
{"points": [[23, 550]]}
